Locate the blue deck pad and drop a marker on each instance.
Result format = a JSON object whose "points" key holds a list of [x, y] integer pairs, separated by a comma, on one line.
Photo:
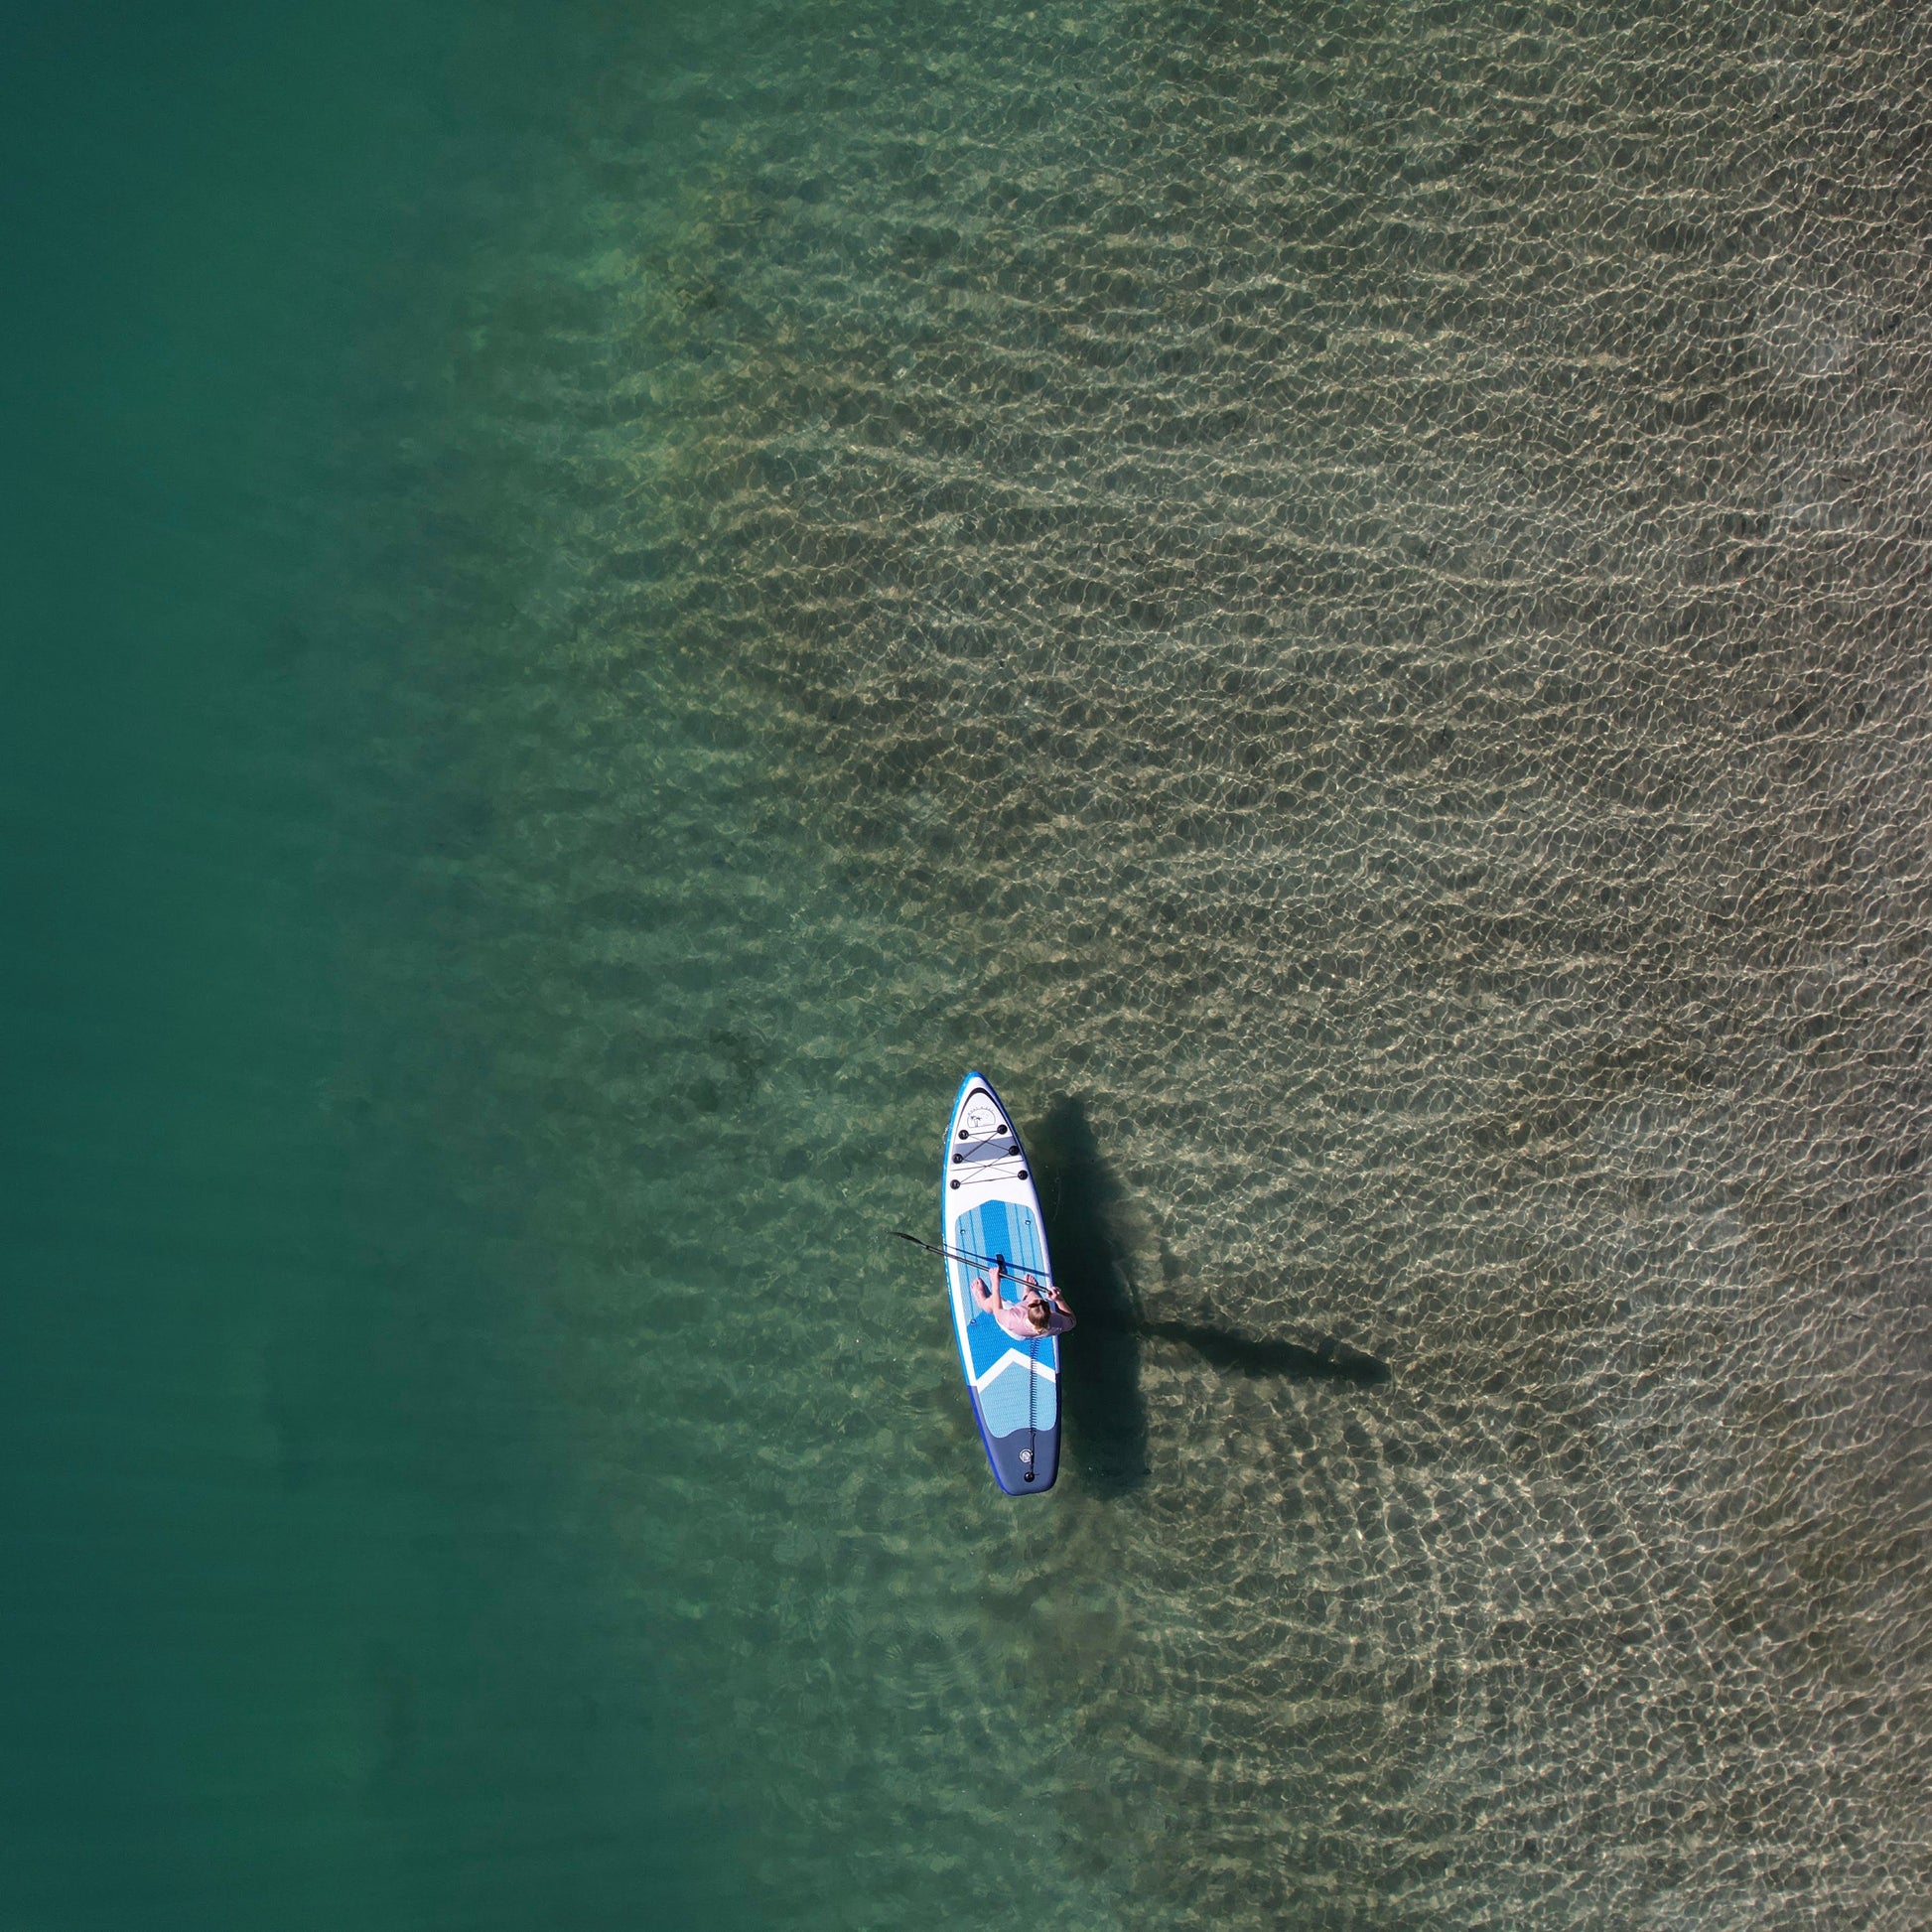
{"points": [[1002, 1229], [995, 1228], [1006, 1402]]}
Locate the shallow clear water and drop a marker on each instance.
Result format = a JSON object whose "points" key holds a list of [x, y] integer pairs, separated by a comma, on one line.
{"points": [[1335, 595]]}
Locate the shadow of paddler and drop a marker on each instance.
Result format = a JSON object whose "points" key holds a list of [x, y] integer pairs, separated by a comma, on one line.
{"points": [[1100, 1363], [1100, 1372], [1327, 1360]]}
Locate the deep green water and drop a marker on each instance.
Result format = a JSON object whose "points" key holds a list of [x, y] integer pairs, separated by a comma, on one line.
{"points": [[598, 603]]}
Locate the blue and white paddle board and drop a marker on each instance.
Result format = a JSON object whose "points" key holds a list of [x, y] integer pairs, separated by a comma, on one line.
{"points": [[988, 1208]]}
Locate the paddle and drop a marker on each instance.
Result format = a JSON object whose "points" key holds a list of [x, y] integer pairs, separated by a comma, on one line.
{"points": [[973, 1261]]}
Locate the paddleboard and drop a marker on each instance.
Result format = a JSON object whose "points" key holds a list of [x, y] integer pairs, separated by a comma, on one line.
{"points": [[988, 1208]]}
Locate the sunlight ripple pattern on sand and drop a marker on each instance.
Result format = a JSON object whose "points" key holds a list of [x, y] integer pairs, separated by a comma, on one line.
{"points": [[1347, 585]]}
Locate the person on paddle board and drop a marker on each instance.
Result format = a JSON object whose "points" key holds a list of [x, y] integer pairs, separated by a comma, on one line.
{"points": [[1037, 1313]]}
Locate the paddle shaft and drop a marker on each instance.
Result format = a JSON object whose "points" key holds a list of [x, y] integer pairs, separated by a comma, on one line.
{"points": [[972, 1261]]}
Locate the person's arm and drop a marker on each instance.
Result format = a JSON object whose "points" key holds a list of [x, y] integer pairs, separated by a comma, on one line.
{"points": [[1067, 1313]]}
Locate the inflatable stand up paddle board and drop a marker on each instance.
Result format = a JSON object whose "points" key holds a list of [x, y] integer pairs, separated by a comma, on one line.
{"points": [[988, 1210]]}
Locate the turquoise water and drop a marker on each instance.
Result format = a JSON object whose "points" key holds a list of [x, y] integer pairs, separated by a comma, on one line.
{"points": [[602, 605]]}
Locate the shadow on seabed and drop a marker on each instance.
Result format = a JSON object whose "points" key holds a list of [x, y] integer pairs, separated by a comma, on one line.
{"points": [[1100, 1376]]}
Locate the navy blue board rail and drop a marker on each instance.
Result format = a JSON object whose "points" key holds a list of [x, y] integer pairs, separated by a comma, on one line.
{"points": [[988, 1208]]}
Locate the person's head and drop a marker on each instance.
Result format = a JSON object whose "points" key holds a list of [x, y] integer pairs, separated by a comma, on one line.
{"points": [[1033, 1305]]}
